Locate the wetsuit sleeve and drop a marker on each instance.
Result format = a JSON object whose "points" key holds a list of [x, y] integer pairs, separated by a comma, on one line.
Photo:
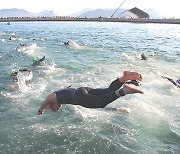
{"points": [[174, 83], [38, 62], [110, 109], [115, 85], [171, 80], [41, 59], [23, 70]]}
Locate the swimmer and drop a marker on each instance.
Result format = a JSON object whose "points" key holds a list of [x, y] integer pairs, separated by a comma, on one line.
{"points": [[89, 97], [37, 61], [143, 57], [176, 83], [23, 45], [20, 78], [72, 44], [15, 74], [66, 43], [13, 37]]}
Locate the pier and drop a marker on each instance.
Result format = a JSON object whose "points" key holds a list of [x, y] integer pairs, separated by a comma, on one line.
{"points": [[100, 19]]}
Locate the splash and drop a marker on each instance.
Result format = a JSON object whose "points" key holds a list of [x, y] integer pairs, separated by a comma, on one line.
{"points": [[21, 82], [28, 49], [74, 45]]}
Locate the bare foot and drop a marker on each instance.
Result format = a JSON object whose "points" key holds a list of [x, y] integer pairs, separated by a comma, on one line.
{"points": [[124, 109], [130, 90], [130, 76]]}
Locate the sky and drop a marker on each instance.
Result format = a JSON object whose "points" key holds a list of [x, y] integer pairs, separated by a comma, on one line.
{"points": [[168, 8]]}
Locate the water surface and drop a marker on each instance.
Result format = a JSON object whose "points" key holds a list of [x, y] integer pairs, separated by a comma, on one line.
{"points": [[101, 53]]}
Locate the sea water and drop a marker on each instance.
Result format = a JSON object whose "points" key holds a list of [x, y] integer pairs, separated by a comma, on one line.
{"points": [[100, 52]]}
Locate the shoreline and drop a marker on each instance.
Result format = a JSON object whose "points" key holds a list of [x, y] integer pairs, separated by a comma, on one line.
{"points": [[131, 20]]}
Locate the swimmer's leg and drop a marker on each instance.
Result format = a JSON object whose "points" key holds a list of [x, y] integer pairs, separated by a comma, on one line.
{"points": [[115, 85]]}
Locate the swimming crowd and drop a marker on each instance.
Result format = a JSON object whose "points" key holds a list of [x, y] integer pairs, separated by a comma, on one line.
{"points": [[22, 76], [84, 96]]}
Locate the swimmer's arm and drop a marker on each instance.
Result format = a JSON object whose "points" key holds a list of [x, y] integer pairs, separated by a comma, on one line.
{"points": [[122, 109], [110, 109], [171, 80], [42, 59], [25, 70]]}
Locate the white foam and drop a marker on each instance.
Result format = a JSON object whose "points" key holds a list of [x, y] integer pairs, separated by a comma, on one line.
{"points": [[27, 75], [21, 82], [29, 49], [75, 45], [2, 33], [2, 40]]}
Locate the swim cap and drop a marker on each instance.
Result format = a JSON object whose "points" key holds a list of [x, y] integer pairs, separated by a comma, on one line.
{"points": [[178, 81], [35, 59], [143, 54], [151, 55]]}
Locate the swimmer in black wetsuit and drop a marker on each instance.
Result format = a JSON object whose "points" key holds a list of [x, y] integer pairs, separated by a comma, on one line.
{"points": [[38, 62], [66, 43], [89, 97], [15, 74]]}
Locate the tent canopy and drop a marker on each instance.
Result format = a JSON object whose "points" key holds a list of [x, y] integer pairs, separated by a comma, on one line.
{"points": [[139, 13]]}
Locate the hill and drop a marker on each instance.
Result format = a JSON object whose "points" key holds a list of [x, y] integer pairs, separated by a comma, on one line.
{"points": [[23, 13], [90, 13], [14, 13], [108, 12]]}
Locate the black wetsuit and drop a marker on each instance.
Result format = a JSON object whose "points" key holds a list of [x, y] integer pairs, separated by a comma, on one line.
{"points": [[89, 97], [38, 62]]}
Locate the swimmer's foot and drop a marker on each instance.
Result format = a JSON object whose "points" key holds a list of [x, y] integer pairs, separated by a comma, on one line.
{"points": [[134, 82], [129, 90], [130, 76]]}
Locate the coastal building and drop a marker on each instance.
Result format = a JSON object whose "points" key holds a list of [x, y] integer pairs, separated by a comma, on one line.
{"points": [[134, 13]]}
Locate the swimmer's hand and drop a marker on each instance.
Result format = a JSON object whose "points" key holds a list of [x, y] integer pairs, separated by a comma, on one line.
{"points": [[124, 109], [40, 112]]}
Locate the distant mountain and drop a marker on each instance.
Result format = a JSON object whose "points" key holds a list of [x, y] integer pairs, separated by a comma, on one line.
{"points": [[90, 13], [14, 13], [101, 12], [108, 13], [80, 12], [46, 13], [23, 13]]}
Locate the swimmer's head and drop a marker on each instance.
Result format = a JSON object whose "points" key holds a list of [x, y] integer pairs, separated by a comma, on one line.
{"points": [[143, 56], [135, 82], [14, 73], [66, 43], [35, 59], [178, 81], [14, 76]]}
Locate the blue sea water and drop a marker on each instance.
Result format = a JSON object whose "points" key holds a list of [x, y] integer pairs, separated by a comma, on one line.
{"points": [[100, 52]]}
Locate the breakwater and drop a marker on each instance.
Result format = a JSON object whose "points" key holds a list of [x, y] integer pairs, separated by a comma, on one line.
{"points": [[59, 18]]}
